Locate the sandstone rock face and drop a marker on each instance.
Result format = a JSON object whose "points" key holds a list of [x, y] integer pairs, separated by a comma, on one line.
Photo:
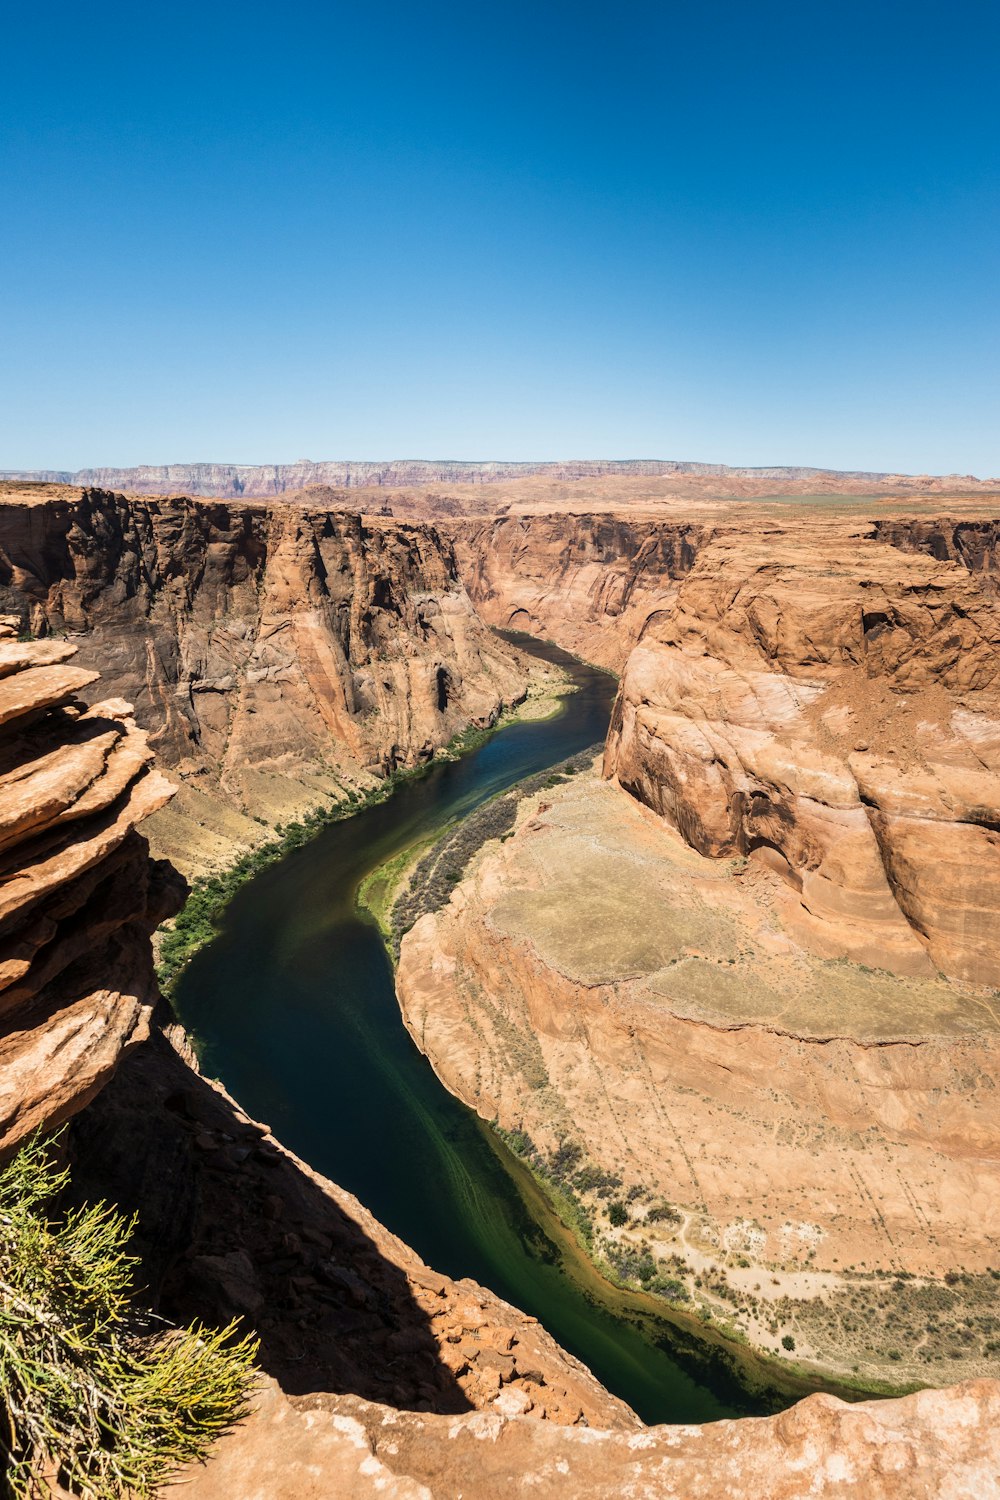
{"points": [[975, 543], [599, 985], [78, 894], [829, 705], [937, 1445], [276, 655], [590, 583]]}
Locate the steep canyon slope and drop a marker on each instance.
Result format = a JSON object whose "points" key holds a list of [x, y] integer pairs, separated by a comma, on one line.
{"points": [[382, 1377], [278, 656], [772, 927]]}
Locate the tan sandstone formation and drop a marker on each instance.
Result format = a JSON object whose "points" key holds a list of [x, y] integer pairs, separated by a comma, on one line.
{"points": [[760, 988], [938, 1445], [382, 1377], [591, 583], [277, 655], [830, 704], [78, 894], [773, 1119]]}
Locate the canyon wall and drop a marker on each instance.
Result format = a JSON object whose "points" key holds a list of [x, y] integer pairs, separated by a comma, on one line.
{"points": [[276, 655], [830, 705], [975, 543], [590, 583], [382, 1376], [748, 980]]}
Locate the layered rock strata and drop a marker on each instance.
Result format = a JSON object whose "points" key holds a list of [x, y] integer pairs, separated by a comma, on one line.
{"points": [[771, 1118], [236, 481], [831, 706], [78, 894], [783, 934], [277, 656], [383, 1377], [591, 583]]}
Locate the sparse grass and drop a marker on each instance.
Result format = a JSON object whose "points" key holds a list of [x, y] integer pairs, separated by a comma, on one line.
{"points": [[199, 921], [440, 870]]}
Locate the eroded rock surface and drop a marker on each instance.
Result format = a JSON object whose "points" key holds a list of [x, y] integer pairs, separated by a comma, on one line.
{"points": [[591, 583], [276, 655], [78, 893], [770, 1117], [829, 704], [938, 1445]]}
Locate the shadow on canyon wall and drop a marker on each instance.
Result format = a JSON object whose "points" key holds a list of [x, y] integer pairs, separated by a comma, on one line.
{"points": [[229, 1226]]}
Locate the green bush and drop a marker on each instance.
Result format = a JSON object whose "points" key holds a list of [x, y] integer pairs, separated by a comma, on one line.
{"points": [[617, 1213], [95, 1394], [788, 1342]]}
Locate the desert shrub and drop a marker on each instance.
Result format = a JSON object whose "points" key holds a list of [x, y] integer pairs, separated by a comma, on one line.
{"points": [[96, 1395], [664, 1213], [617, 1214], [788, 1342]]}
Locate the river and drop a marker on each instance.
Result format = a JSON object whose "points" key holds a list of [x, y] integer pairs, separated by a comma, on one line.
{"points": [[293, 1007]]}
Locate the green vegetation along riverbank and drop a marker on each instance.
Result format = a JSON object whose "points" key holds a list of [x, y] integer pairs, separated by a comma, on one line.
{"points": [[631, 1242], [198, 923]]}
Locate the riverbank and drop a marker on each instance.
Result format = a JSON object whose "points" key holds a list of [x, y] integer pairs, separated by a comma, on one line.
{"points": [[591, 986], [198, 922], [640, 1249], [421, 877]]}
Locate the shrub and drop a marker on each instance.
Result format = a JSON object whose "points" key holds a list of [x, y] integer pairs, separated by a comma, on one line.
{"points": [[93, 1393], [617, 1213], [788, 1342]]}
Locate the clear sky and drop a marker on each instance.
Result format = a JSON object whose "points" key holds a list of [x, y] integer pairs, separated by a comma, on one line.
{"points": [[729, 230]]}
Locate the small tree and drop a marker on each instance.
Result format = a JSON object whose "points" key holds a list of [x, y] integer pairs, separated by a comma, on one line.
{"points": [[617, 1213], [95, 1394]]}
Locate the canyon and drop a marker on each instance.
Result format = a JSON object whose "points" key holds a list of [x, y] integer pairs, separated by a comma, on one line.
{"points": [[277, 657], [768, 915], [743, 963]]}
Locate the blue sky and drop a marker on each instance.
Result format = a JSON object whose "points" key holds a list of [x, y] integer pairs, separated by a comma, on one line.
{"points": [[739, 232]]}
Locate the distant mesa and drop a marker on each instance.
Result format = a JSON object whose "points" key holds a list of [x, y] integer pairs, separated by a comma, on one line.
{"points": [[231, 481]]}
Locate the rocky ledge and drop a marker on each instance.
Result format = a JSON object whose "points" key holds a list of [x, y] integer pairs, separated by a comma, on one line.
{"points": [[79, 895]]}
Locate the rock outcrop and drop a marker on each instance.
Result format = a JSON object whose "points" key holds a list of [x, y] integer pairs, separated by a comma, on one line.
{"points": [[78, 894], [276, 655], [384, 1377], [590, 583], [938, 1445], [975, 543], [783, 934], [771, 1118], [831, 706]]}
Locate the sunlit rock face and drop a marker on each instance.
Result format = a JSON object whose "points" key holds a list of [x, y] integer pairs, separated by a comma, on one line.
{"points": [[827, 703], [276, 654], [592, 583], [78, 893]]}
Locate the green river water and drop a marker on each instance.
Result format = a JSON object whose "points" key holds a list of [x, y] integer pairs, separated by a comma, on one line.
{"points": [[294, 1008]]}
